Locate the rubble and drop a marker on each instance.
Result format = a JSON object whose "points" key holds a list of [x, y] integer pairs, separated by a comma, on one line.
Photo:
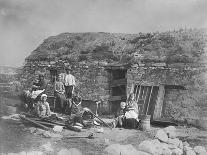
{"points": [[200, 150], [163, 144]]}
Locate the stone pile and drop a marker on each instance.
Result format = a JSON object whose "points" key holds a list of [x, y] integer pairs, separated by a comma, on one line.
{"points": [[165, 143]]}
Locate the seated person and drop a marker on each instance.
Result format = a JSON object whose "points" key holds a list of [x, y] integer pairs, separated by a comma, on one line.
{"points": [[131, 114], [38, 87], [60, 93], [132, 107], [128, 116], [76, 107], [42, 108], [120, 120]]}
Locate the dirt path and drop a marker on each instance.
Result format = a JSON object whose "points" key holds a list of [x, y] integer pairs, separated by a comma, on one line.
{"points": [[16, 138]]}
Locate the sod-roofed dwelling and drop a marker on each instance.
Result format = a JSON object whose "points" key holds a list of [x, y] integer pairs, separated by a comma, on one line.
{"points": [[166, 71]]}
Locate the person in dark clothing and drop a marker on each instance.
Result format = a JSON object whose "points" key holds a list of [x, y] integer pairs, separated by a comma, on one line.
{"points": [[60, 94], [75, 107]]}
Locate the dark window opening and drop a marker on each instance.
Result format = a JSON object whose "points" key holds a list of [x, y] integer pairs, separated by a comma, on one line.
{"points": [[119, 90], [53, 75], [118, 74]]}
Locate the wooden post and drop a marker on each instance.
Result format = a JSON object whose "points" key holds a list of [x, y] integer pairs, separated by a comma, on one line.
{"points": [[149, 99], [159, 102]]}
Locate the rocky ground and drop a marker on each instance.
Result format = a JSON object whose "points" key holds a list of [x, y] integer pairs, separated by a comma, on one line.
{"points": [[17, 137]]}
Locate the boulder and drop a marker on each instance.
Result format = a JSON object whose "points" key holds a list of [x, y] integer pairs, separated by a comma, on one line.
{"points": [[149, 147], [174, 141], [166, 151], [47, 147], [187, 148], [190, 152], [161, 135], [177, 151], [170, 131], [117, 149], [58, 128], [200, 150]]}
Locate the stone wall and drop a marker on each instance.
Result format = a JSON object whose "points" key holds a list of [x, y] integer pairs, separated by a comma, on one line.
{"points": [[178, 103], [91, 81]]}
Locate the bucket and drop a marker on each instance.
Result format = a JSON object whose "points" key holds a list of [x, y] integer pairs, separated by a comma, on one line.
{"points": [[145, 122]]}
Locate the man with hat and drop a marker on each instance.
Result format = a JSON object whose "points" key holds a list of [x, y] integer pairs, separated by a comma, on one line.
{"points": [[69, 82]]}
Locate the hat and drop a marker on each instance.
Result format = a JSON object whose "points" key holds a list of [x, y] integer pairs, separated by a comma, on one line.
{"points": [[43, 95], [68, 68]]}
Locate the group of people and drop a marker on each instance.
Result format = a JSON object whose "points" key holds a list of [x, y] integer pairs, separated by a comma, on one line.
{"points": [[63, 92], [128, 114], [65, 100]]}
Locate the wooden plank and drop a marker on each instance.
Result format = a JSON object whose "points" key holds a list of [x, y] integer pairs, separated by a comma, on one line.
{"points": [[139, 93], [115, 98], [34, 122], [159, 102], [145, 97], [149, 99]]}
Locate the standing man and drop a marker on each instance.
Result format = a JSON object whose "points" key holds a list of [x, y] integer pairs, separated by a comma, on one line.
{"points": [[60, 93], [69, 83]]}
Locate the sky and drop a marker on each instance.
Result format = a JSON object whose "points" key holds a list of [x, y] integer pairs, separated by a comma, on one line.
{"points": [[24, 24]]}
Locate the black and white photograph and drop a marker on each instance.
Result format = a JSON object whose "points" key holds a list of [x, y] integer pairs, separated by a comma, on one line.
{"points": [[103, 77]]}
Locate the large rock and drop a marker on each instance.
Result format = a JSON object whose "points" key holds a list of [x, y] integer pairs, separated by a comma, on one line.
{"points": [[161, 135], [166, 151], [190, 152], [174, 141], [150, 147], [170, 131], [177, 151], [47, 147], [187, 148], [72, 151], [200, 150], [117, 149]]}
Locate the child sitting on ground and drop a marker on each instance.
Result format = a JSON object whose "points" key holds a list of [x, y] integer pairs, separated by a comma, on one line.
{"points": [[120, 120], [42, 107]]}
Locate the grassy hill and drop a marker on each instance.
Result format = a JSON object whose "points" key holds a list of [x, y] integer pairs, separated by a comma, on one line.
{"points": [[174, 46]]}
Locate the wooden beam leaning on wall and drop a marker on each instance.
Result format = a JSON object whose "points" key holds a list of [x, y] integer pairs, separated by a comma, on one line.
{"points": [[159, 103]]}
